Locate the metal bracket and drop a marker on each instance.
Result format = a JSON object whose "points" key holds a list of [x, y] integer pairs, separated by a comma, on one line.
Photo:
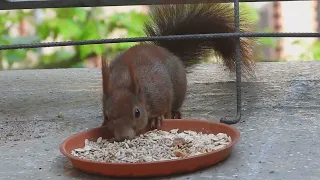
{"points": [[238, 68]]}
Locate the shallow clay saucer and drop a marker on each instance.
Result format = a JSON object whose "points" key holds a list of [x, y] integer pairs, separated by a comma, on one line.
{"points": [[160, 168]]}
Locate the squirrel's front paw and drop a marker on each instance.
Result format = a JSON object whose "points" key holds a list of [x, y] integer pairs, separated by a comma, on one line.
{"points": [[157, 122], [176, 115]]}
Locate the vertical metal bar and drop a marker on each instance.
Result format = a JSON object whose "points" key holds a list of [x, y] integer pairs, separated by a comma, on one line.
{"points": [[238, 68]]}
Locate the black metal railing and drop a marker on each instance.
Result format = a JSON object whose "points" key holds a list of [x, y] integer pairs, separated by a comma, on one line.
{"points": [[36, 4], [23, 4]]}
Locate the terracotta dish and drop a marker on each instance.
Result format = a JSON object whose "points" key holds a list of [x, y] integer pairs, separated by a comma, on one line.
{"points": [[161, 168]]}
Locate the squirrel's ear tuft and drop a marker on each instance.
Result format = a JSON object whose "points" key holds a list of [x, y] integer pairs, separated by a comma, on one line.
{"points": [[105, 75], [134, 86]]}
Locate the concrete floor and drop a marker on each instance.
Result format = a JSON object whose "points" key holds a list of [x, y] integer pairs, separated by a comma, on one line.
{"points": [[279, 128]]}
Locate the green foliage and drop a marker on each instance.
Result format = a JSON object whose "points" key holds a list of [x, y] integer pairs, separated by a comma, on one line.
{"points": [[312, 52], [132, 22], [91, 23], [7, 20], [83, 24], [253, 16], [250, 12], [70, 24], [268, 41]]}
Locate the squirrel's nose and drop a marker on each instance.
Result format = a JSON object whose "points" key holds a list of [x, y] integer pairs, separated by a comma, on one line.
{"points": [[125, 133]]}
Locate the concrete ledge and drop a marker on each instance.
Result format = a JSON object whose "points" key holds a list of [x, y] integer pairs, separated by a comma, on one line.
{"points": [[279, 128]]}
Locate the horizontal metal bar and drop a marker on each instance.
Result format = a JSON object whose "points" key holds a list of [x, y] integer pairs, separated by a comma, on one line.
{"points": [[37, 4], [156, 38]]}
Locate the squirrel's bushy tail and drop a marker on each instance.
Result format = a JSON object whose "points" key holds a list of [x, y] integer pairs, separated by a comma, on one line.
{"points": [[199, 19]]}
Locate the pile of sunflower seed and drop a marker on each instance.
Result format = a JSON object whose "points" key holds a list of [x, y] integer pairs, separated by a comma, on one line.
{"points": [[156, 145]]}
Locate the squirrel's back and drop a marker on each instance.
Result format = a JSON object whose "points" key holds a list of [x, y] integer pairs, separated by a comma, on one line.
{"points": [[160, 73], [146, 59]]}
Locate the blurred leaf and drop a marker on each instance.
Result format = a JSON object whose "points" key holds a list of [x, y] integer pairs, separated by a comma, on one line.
{"points": [[53, 25], [43, 30], [250, 12], [58, 56], [20, 40], [316, 56], [98, 48], [69, 13], [16, 55], [81, 14], [78, 65], [90, 32], [296, 42], [312, 51], [316, 50], [63, 55], [69, 28], [66, 27], [65, 13], [267, 41], [85, 50], [71, 24]]}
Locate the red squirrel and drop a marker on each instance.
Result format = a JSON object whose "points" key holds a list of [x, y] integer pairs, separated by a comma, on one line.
{"points": [[147, 83]]}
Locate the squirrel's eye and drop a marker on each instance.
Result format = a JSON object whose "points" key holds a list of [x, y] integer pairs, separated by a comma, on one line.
{"points": [[137, 113]]}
